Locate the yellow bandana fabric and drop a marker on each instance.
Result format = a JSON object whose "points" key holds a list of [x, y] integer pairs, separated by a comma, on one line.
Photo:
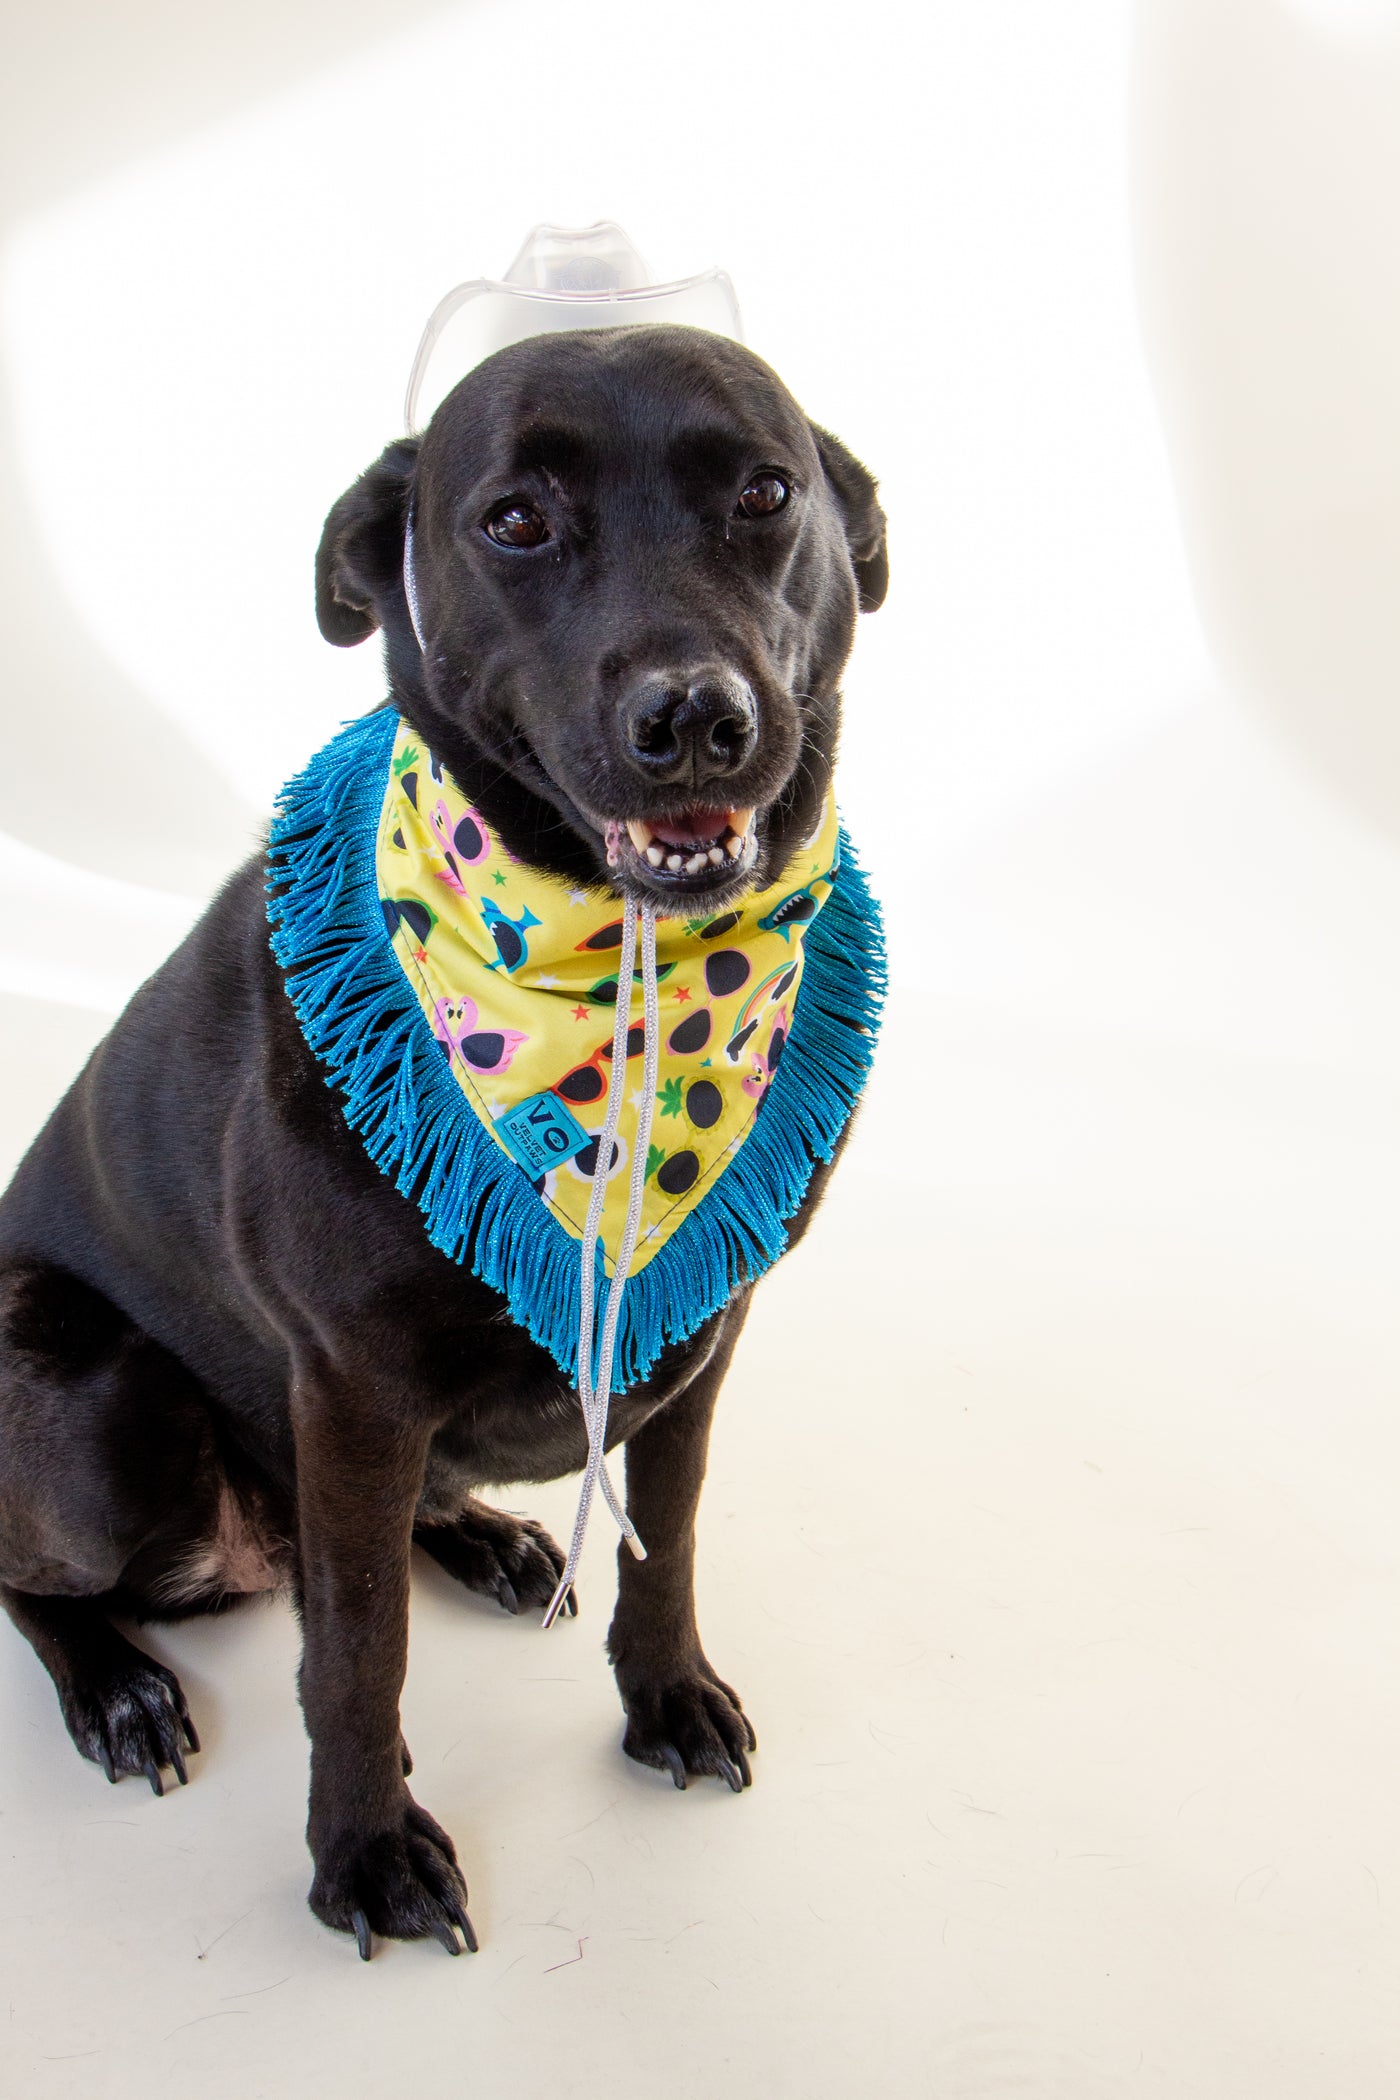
{"points": [[516, 974]]}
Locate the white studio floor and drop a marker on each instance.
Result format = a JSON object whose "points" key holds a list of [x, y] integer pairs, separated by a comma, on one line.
{"points": [[1049, 1537]]}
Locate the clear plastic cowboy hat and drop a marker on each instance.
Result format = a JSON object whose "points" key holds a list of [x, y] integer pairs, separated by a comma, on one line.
{"points": [[563, 277]]}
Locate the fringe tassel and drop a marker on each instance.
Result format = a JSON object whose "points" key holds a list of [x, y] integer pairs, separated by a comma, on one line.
{"points": [[360, 1017]]}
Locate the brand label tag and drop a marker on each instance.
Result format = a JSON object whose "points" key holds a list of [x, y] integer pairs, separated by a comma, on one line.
{"points": [[540, 1133]]}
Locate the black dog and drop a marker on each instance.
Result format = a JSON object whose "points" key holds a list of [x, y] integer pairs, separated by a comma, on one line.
{"points": [[230, 1359]]}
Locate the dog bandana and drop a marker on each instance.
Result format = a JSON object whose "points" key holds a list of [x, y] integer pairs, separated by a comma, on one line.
{"points": [[473, 1014]]}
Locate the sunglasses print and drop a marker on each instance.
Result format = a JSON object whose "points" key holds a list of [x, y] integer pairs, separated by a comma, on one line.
{"points": [[726, 972], [409, 912], [589, 1081], [583, 1163], [713, 929], [609, 936], [604, 992]]}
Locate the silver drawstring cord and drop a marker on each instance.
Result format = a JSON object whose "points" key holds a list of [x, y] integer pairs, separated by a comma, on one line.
{"points": [[595, 1389]]}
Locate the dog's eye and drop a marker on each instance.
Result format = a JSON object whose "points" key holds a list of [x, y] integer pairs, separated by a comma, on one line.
{"points": [[517, 524], [764, 494]]}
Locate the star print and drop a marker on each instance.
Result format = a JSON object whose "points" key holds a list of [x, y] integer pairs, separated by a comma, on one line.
{"points": [[682, 995], [499, 879], [635, 1097], [546, 984], [580, 1013], [578, 896], [420, 955]]}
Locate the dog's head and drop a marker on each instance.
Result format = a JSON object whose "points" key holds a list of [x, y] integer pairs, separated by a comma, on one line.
{"points": [[638, 567]]}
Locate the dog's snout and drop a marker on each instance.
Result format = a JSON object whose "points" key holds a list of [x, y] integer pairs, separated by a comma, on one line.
{"points": [[692, 727]]}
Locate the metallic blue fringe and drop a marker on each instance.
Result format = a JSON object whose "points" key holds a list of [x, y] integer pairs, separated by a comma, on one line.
{"points": [[361, 1018]]}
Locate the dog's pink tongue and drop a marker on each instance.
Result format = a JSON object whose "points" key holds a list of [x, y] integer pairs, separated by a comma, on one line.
{"points": [[690, 827]]}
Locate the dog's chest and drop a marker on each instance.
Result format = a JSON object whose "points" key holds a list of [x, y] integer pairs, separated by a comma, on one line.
{"points": [[523, 1425]]}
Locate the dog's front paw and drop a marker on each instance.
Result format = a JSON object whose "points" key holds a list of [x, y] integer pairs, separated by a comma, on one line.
{"points": [[403, 1883], [692, 1727]]}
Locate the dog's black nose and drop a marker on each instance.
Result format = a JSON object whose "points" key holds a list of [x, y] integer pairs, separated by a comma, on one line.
{"points": [[690, 728]]}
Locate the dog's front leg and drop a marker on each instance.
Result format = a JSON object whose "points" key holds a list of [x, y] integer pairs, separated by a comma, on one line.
{"points": [[382, 1864], [681, 1717]]}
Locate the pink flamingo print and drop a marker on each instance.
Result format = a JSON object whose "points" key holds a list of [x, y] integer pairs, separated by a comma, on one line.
{"points": [[484, 1050], [463, 845], [765, 1062]]}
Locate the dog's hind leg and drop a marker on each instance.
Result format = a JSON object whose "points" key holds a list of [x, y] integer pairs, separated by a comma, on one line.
{"points": [[123, 1710], [107, 1464], [512, 1559]]}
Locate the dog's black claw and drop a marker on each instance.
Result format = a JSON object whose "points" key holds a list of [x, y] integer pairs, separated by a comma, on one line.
{"points": [[125, 1717], [571, 1603], [691, 1728], [191, 1739], [402, 1883], [509, 1559]]}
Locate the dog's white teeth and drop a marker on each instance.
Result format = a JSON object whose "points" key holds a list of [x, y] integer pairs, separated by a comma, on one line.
{"points": [[692, 856]]}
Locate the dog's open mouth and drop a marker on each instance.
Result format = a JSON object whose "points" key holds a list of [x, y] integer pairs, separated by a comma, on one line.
{"points": [[692, 850]]}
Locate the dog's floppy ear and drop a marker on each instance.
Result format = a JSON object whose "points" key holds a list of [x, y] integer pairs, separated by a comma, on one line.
{"points": [[359, 562], [863, 517]]}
